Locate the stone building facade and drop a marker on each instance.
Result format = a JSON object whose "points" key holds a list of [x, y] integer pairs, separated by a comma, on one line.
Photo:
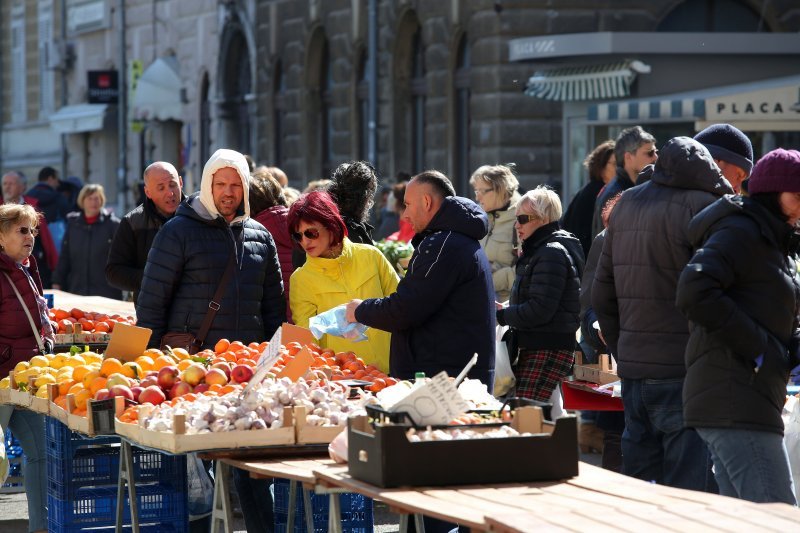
{"points": [[287, 82]]}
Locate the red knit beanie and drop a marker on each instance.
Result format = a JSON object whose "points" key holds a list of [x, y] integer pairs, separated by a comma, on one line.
{"points": [[777, 171]]}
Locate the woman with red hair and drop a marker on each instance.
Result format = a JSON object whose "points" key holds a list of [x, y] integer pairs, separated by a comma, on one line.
{"points": [[336, 271]]}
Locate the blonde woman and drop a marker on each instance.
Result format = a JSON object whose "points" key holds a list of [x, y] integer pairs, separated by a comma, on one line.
{"points": [[87, 241], [496, 191], [544, 305]]}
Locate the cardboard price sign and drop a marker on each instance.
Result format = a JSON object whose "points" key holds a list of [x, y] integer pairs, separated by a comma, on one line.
{"points": [[435, 403], [128, 342]]}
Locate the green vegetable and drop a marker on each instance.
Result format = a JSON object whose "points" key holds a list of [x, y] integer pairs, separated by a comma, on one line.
{"points": [[394, 250]]}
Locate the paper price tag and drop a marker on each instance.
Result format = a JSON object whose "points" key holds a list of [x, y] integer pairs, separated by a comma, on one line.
{"points": [[266, 361], [435, 403]]}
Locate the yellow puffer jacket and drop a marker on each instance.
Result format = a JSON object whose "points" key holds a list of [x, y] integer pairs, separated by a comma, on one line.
{"points": [[362, 272]]}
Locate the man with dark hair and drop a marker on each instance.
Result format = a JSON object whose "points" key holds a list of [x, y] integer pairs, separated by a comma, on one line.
{"points": [[443, 310], [634, 149], [137, 230], [51, 202]]}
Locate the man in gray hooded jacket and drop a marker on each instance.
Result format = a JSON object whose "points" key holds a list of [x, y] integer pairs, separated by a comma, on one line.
{"points": [[646, 247]]}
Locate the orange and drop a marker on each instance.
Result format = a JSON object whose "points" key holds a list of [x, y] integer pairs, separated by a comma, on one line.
{"points": [[64, 387], [97, 383], [81, 371], [76, 313], [110, 366], [61, 401], [76, 388], [132, 370], [184, 364], [102, 327], [87, 379], [221, 346], [60, 314], [155, 353], [293, 348], [146, 362], [87, 325], [162, 361], [216, 387]]}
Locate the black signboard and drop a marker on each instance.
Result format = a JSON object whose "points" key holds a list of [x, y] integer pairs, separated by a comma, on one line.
{"points": [[103, 87]]}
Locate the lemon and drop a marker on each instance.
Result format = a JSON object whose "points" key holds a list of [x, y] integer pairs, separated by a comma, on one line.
{"points": [[39, 360], [92, 357], [75, 360], [42, 393], [21, 366], [43, 380], [58, 361], [5, 383]]}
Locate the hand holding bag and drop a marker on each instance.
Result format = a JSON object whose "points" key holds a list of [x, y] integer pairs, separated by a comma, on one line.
{"points": [[189, 341]]}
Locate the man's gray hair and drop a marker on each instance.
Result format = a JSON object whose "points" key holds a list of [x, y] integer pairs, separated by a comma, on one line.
{"points": [[629, 140], [20, 176]]}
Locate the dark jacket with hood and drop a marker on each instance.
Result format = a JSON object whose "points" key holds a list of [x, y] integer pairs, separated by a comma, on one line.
{"points": [[274, 219], [52, 203], [443, 310], [544, 305], [189, 257], [579, 217], [17, 342], [646, 247], [84, 250], [358, 232], [131, 244], [741, 294]]}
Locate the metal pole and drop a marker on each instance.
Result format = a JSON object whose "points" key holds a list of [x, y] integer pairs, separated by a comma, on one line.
{"points": [[122, 116], [372, 81], [64, 98]]}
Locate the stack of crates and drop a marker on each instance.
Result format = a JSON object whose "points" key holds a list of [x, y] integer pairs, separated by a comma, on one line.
{"points": [[356, 510], [15, 481], [82, 476]]}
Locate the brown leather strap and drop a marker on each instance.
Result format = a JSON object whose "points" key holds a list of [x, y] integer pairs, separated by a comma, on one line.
{"points": [[213, 305]]}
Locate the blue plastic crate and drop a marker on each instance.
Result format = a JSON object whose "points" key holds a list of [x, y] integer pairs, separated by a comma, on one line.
{"points": [[13, 447], [95, 466], [90, 508], [356, 510], [60, 441]]}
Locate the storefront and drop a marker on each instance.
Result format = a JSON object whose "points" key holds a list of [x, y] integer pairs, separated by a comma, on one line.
{"points": [[669, 83]]}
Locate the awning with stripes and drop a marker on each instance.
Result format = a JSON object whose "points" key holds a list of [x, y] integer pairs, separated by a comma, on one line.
{"points": [[594, 82], [644, 111]]}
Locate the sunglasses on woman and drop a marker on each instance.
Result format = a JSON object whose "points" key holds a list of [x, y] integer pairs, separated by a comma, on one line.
{"points": [[309, 233], [24, 230], [524, 219]]}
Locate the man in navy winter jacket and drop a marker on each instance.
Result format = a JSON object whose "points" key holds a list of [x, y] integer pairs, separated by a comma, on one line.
{"points": [[443, 310]]}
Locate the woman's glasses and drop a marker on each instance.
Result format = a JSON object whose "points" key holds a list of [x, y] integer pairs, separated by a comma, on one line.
{"points": [[481, 192], [25, 230], [524, 219], [309, 233]]}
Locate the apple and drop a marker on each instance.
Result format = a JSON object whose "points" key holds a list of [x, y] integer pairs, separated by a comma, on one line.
{"points": [[179, 389], [148, 381], [103, 394], [121, 390], [117, 379], [201, 387], [167, 377], [193, 374], [151, 373], [136, 390], [225, 367], [241, 373], [215, 376], [152, 395]]}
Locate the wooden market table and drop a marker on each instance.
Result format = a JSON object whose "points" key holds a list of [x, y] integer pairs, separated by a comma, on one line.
{"points": [[595, 500]]}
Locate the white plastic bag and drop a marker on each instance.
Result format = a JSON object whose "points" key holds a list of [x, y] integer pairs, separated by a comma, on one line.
{"points": [[3, 458], [791, 437], [504, 379], [200, 486], [333, 322], [337, 449]]}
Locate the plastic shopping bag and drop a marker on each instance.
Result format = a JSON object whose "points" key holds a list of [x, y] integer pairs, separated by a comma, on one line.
{"points": [[333, 322], [791, 437], [200, 486], [504, 379], [3, 458]]}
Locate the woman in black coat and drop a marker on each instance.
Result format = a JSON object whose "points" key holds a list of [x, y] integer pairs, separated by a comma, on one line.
{"points": [[84, 251], [543, 308], [741, 294]]}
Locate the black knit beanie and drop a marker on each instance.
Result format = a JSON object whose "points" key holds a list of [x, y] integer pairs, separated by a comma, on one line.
{"points": [[728, 143]]}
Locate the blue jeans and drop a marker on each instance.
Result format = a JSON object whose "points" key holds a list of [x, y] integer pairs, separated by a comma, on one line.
{"points": [[655, 445], [750, 465], [28, 428]]}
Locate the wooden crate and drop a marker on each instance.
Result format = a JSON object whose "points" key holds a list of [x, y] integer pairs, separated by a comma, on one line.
{"points": [[605, 371], [306, 434], [59, 413], [178, 442], [5, 396], [25, 399]]}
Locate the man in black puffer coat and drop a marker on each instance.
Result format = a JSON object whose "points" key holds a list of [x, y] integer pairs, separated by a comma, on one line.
{"points": [[137, 230], [189, 256], [647, 246]]}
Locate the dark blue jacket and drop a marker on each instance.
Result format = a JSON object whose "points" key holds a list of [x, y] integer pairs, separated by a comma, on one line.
{"points": [[185, 265], [443, 310], [52, 203]]}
